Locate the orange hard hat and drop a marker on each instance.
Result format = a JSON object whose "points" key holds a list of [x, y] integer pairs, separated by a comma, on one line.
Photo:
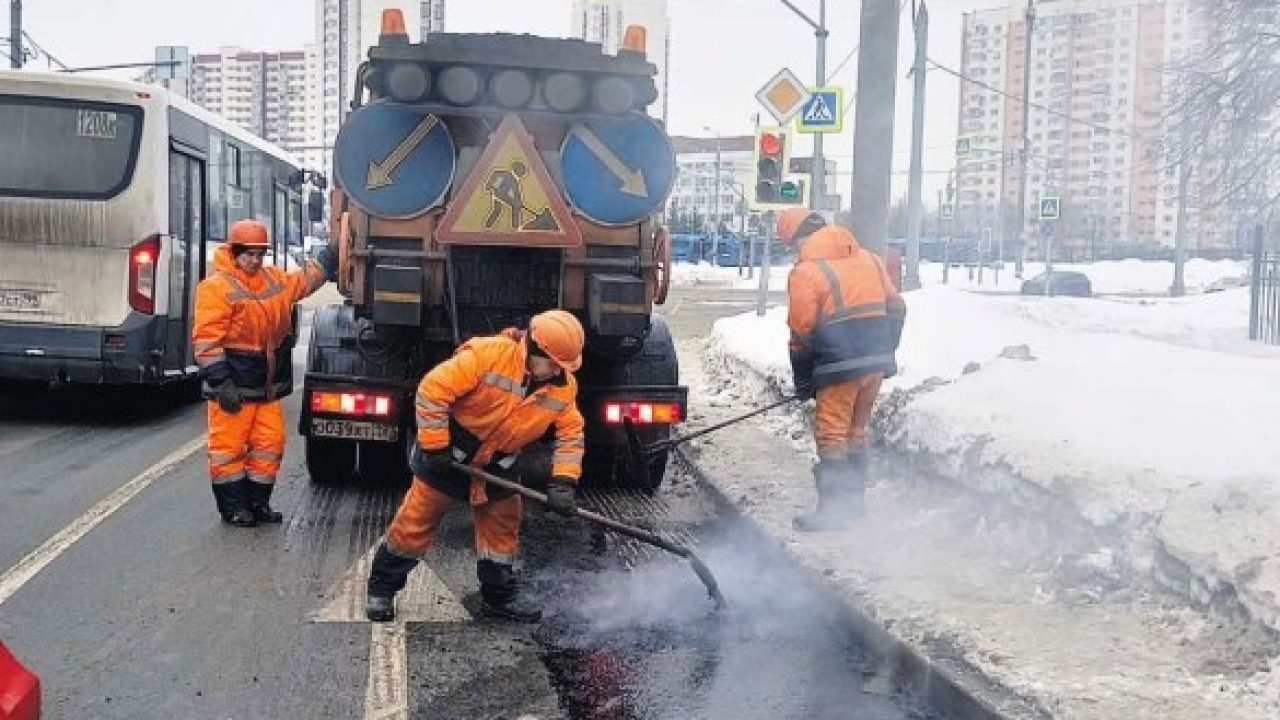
{"points": [[560, 336], [248, 233]]}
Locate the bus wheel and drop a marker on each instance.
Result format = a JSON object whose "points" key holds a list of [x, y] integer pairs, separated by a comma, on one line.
{"points": [[330, 462]]}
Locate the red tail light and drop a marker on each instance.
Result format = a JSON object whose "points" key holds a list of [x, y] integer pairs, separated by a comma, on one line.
{"points": [[352, 403], [642, 413], [143, 258]]}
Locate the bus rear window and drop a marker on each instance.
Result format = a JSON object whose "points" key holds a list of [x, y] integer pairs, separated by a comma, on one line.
{"points": [[75, 149]]}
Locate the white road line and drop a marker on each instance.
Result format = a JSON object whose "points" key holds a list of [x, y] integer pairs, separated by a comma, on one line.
{"points": [[19, 575], [387, 696]]}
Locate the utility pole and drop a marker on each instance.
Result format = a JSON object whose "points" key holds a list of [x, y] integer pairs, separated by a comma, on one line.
{"points": [[874, 116], [15, 34], [715, 230], [1030, 26], [915, 203], [817, 173], [1179, 287]]}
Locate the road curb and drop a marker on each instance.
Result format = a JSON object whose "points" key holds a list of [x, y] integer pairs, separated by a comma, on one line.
{"points": [[931, 675]]}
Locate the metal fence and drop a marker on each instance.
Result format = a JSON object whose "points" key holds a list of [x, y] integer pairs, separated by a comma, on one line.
{"points": [[1264, 307]]}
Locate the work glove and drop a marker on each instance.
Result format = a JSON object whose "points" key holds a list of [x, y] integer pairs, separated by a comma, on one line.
{"points": [[802, 374], [562, 496], [228, 397], [435, 464]]}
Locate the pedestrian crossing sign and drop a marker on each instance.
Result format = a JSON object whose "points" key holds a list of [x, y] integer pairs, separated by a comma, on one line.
{"points": [[1050, 208], [823, 112], [509, 198]]}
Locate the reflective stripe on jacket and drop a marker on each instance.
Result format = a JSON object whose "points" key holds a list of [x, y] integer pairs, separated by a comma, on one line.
{"points": [[844, 311], [483, 388], [243, 322]]}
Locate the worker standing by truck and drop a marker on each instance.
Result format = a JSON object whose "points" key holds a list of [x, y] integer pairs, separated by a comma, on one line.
{"points": [[243, 316], [481, 407], [846, 319]]}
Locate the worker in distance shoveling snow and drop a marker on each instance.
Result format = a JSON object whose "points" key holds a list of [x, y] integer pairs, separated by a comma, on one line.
{"points": [[846, 320]]}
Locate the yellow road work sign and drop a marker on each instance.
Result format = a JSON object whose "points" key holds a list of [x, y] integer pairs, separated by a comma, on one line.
{"points": [[509, 198]]}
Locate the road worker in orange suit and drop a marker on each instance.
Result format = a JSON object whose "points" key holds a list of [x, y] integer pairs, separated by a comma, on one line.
{"points": [[495, 396], [244, 313], [846, 320]]}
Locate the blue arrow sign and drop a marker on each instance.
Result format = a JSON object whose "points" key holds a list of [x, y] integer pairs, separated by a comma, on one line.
{"points": [[617, 172], [394, 161]]}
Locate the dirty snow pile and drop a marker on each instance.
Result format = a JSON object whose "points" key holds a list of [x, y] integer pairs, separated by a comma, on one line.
{"points": [[1055, 467], [1152, 423]]}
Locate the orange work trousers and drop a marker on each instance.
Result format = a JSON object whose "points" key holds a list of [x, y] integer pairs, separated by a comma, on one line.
{"points": [[843, 415], [413, 530], [248, 443]]}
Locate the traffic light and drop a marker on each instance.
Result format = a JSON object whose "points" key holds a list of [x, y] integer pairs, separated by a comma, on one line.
{"points": [[772, 160]]}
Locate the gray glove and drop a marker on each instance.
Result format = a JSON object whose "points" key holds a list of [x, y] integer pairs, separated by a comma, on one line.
{"points": [[228, 397], [561, 496]]}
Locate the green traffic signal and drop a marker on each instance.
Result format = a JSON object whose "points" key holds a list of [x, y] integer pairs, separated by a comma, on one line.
{"points": [[790, 191]]}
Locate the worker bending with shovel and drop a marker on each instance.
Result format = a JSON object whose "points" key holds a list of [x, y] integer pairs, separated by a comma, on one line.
{"points": [[480, 408], [846, 320]]}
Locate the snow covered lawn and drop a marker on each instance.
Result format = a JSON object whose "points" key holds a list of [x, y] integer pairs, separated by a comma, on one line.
{"points": [[1109, 277], [1144, 432]]}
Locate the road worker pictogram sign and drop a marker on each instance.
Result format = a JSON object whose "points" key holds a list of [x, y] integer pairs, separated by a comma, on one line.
{"points": [[509, 198]]}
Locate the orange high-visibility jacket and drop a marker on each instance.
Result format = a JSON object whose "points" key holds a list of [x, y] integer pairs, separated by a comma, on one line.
{"points": [[483, 387], [844, 312], [242, 322]]}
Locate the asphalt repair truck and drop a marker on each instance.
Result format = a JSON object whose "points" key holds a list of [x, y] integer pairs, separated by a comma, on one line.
{"points": [[481, 179]]}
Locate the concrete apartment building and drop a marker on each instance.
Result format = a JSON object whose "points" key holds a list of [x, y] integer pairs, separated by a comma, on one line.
{"points": [[1100, 85], [266, 93], [345, 29], [606, 21]]}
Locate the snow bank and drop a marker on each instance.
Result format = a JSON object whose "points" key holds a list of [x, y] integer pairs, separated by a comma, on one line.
{"points": [[1152, 422]]}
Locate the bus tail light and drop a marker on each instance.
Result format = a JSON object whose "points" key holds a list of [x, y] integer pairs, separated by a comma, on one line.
{"points": [[352, 403], [143, 258], [642, 413]]}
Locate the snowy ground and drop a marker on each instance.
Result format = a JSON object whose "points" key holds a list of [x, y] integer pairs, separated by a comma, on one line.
{"points": [[1123, 277], [1078, 496]]}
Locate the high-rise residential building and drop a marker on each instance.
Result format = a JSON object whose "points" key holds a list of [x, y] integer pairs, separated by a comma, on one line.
{"points": [[606, 21], [266, 93], [1100, 83], [345, 30]]}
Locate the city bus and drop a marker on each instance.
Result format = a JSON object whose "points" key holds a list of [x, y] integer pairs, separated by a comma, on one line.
{"points": [[113, 196]]}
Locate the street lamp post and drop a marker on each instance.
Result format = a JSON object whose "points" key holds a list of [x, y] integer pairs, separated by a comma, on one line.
{"points": [[818, 173], [715, 232]]}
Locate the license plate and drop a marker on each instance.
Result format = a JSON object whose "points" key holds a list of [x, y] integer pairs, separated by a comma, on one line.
{"points": [[353, 430], [19, 300]]}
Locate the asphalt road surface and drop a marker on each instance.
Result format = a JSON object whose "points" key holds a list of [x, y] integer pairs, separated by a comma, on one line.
{"points": [[121, 588]]}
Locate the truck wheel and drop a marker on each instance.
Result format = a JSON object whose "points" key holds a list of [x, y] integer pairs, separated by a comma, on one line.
{"points": [[329, 461], [655, 364]]}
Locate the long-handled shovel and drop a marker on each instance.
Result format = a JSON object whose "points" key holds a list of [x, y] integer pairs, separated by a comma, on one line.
{"points": [[639, 454], [644, 536]]}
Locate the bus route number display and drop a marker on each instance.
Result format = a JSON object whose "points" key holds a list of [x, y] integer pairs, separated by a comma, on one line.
{"points": [[98, 124]]}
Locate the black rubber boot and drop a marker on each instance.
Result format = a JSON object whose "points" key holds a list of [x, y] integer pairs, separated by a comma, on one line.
{"points": [[500, 595], [259, 495], [387, 576], [232, 504], [841, 486]]}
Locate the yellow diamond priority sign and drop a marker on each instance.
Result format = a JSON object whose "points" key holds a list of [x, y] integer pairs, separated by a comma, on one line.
{"points": [[509, 198], [783, 96]]}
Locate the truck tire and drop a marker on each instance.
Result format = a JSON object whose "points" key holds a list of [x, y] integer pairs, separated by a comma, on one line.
{"points": [[655, 364], [330, 462]]}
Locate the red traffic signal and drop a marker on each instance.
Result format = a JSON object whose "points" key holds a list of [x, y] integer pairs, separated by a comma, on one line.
{"points": [[770, 144]]}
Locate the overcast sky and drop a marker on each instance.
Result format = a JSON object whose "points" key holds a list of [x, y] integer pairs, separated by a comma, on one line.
{"points": [[722, 50]]}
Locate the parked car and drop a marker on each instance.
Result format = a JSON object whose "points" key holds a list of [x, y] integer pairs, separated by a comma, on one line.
{"points": [[1064, 282]]}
